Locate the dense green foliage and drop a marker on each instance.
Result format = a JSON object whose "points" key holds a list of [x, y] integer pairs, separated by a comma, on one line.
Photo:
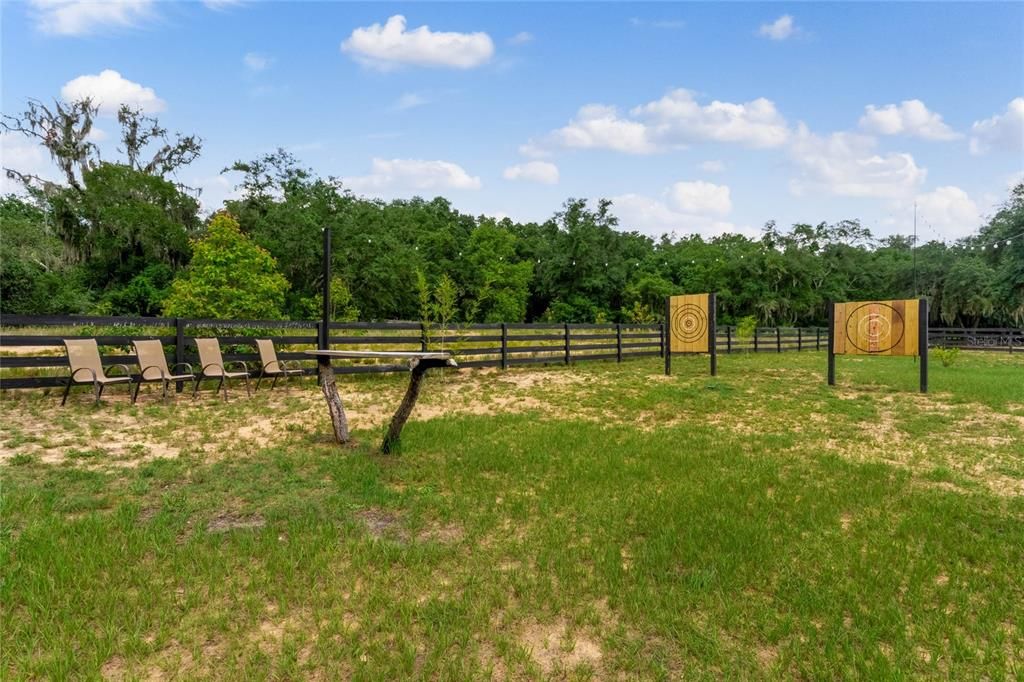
{"points": [[114, 236], [229, 277]]}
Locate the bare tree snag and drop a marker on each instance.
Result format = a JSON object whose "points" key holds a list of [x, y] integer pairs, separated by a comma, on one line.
{"points": [[334, 405]]}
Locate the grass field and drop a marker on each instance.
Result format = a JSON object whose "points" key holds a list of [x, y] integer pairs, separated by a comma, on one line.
{"points": [[591, 522]]}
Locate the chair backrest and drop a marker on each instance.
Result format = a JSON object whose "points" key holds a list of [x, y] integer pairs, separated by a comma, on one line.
{"points": [[152, 360], [268, 356], [84, 354], [209, 354]]}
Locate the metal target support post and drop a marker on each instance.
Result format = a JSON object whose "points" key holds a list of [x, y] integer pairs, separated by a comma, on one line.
{"points": [[713, 331], [831, 344], [922, 341], [667, 336]]}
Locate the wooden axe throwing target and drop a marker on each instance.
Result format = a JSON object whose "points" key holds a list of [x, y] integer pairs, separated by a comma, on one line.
{"points": [[690, 327], [898, 327]]}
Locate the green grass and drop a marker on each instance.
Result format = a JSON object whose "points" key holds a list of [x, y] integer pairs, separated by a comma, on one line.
{"points": [[597, 522]]}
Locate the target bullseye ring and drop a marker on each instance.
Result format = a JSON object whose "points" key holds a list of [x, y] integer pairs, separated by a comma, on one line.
{"points": [[876, 329], [689, 323]]}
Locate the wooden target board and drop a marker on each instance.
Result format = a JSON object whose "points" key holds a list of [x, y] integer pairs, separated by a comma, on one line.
{"points": [[877, 328], [689, 323], [894, 328], [690, 327]]}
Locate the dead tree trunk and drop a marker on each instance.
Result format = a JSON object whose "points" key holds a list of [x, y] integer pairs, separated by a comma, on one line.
{"points": [[327, 384]]}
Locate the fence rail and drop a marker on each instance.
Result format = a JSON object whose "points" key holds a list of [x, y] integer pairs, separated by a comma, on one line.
{"points": [[32, 354]]}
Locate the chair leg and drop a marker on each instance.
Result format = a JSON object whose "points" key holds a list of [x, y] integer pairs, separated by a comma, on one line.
{"points": [[164, 396], [135, 396], [195, 386], [223, 384], [99, 392], [248, 390], [67, 389], [274, 382], [259, 380]]}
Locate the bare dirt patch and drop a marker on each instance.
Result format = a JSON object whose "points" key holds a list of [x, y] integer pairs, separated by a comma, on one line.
{"points": [[552, 647], [229, 521], [383, 524]]}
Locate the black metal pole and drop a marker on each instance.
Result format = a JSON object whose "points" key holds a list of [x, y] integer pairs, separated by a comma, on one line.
{"points": [[922, 341], [713, 331], [325, 328], [831, 343], [666, 337]]}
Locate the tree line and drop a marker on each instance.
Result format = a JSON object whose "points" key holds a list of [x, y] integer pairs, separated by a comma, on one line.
{"points": [[123, 237]]}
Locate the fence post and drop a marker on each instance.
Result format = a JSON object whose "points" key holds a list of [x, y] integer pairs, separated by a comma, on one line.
{"points": [[618, 342], [661, 338], [567, 351], [755, 339], [817, 338], [799, 339], [423, 336], [319, 342], [504, 345], [179, 349], [778, 340], [728, 339]]}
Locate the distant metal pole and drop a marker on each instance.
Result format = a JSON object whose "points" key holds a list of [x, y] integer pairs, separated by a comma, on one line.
{"points": [[913, 249], [325, 328], [666, 336]]}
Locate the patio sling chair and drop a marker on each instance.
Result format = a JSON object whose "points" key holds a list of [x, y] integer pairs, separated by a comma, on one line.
{"points": [[153, 364], [87, 368], [214, 367], [272, 367]]}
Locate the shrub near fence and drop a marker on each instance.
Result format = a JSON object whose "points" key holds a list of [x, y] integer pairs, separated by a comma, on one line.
{"points": [[32, 354]]}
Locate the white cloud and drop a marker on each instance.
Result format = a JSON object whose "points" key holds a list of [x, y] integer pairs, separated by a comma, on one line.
{"points": [[713, 166], [214, 191], [409, 100], [1003, 132], [521, 38], [109, 90], [390, 45], [702, 198], [597, 126], [412, 174], [782, 28], [949, 211], [672, 122], [846, 164], [910, 117], [255, 61], [533, 171], [82, 17], [678, 118], [19, 153], [655, 217]]}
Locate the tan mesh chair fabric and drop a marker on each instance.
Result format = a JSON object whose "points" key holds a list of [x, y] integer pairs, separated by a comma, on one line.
{"points": [[87, 367], [153, 366], [213, 366], [271, 366]]}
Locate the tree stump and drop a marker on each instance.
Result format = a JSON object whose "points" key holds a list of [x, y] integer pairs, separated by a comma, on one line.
{"points": [[334, 404]]}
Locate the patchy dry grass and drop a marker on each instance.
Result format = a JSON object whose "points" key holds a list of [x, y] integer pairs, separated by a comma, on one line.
{"points": [[590, 522]]}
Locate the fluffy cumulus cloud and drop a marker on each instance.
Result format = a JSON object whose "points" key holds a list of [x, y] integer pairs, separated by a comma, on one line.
{"points": [[949, 211], [701, 198], [1002, 132], [847, 164], [597, 126], [390, 45], [397, 175], [82, 17], [672, 122], [109, 90], [910, 117], [686, 207], [782, 28], [534, 171]]}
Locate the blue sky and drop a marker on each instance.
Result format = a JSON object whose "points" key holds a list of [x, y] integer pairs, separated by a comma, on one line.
{"points": [[700, 118]]}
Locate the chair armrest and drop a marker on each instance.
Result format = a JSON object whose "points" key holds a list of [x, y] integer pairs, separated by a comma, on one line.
{"points": [[83, 369], [126, 368], [272, 362], [245, 367], [291, 365], [142, 376], [174, 367], [212, 364]]}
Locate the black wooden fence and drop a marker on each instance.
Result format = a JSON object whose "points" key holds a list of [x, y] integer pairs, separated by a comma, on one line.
{"points": [[33, 355]]}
